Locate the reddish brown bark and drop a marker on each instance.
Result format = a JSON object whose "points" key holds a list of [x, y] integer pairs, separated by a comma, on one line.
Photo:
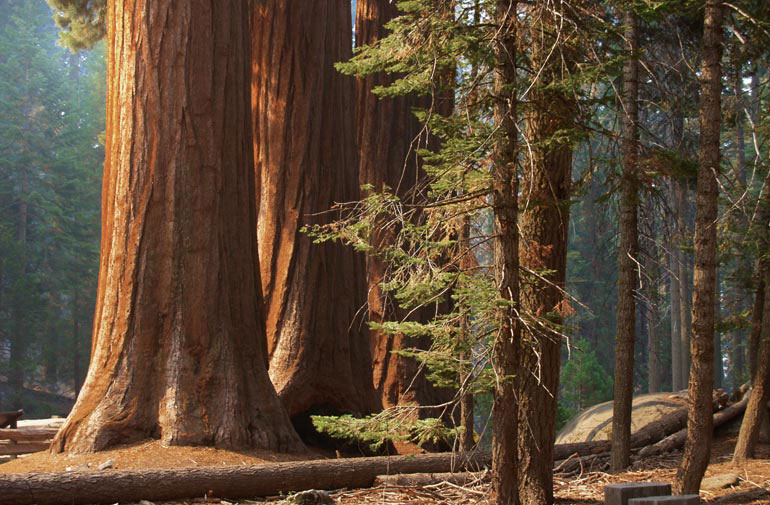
{"points": [[628, 253], [305, 162], [756, 328], [699, 420], [543, 249], [388, 136], [179, 340], [506, 351]]}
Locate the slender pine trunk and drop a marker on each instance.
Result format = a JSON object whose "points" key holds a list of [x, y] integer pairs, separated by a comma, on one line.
{"points": [[699, 416], [628, 275], [507, 341]]}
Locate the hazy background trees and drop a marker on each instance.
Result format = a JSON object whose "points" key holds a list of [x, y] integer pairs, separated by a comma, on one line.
{"points": [[51, 119]]}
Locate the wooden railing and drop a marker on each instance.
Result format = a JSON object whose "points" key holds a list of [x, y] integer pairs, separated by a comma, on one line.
{"points": [[16, 440]]}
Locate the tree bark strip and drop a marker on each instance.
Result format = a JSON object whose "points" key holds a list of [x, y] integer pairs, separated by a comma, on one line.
{"points": [[179, 339], [628, 275], [700, 421], [544, 214], [305, 156], [506, 350]]}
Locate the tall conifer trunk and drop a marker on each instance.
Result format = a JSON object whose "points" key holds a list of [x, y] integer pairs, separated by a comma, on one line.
{"points": [[628, 274], [179, 340], [545, 187], [305, 156], [699, 416], [505, 189]]}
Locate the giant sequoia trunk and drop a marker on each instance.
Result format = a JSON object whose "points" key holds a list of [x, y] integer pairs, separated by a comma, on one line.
{"points": [[305, 162], [543, 249], [388, 137], [699, 420], [628, 257], [179, 339]]}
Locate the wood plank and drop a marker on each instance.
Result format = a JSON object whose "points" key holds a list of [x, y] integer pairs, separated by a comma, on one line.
{"points": [[28, 448], [28, 434]]}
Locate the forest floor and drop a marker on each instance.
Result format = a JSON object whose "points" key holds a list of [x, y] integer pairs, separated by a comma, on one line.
{"points": [[753, 487]]}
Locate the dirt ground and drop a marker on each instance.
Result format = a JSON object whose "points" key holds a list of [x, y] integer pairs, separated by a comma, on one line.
{"points": [[142, 456], [585, 488]]}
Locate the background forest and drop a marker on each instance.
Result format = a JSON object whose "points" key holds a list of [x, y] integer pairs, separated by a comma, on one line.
{"points": [[52, 116], [51, 119]]}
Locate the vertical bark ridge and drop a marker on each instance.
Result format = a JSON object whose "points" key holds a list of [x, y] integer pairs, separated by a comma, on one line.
{"points": [[628, 274], [699, 417], [179, 338], [545, 188], [505, 190], [388, 138], [305, 159]]}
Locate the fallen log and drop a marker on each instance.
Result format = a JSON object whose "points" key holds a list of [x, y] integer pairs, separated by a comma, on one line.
{"points": [[427, 479], [581, 464], [646, 435], [221, 482], [676, 440]]}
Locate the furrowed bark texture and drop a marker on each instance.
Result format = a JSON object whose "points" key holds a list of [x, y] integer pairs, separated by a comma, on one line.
{"points": [[544, 218], [388, 136], [306, 161], [756, 328], [699, 434], [179, 339], [505, 189], [628, 275], [467, 402]]}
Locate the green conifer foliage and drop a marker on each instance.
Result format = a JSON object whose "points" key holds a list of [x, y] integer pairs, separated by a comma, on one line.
{"points": [[82, 22]]}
